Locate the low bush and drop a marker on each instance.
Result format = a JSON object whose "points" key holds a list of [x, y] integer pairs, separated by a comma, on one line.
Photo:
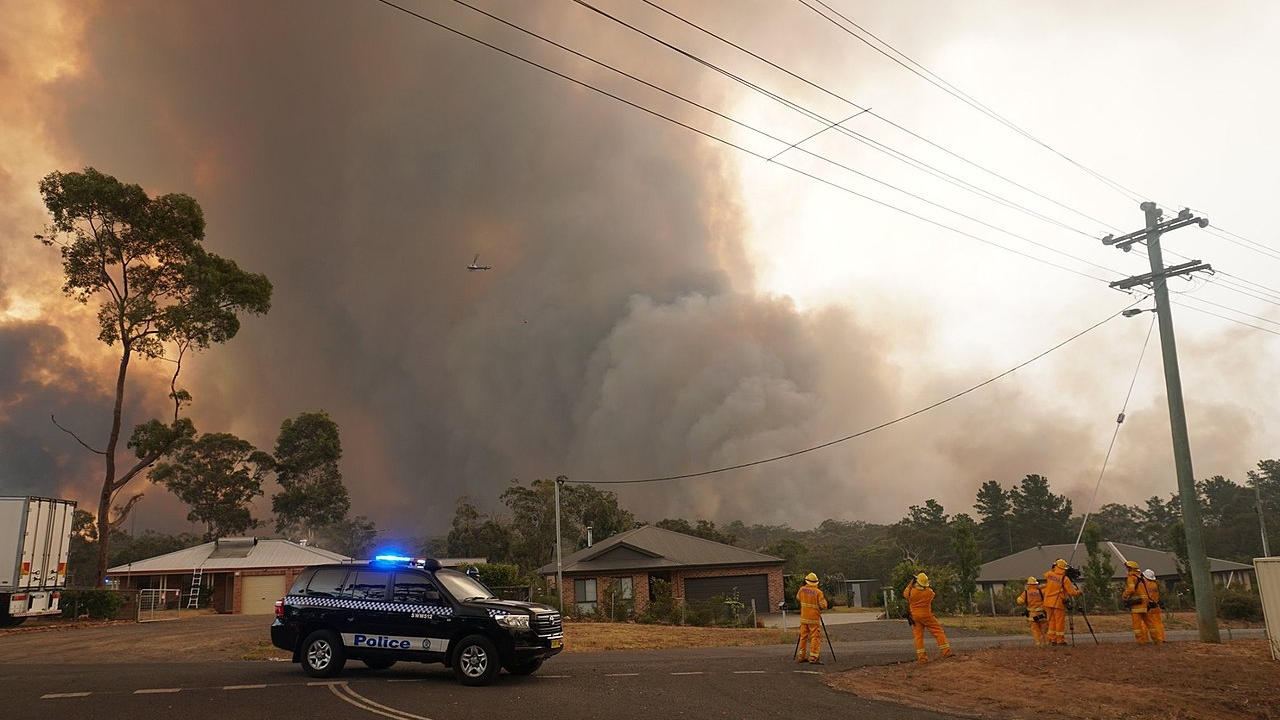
{"points": [[97, 604]]}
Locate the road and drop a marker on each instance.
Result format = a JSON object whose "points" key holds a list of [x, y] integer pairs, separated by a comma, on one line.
{"points": [[744, 683]]}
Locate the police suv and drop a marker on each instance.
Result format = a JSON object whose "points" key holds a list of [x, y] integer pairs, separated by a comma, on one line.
{"points": [[398, 608]]}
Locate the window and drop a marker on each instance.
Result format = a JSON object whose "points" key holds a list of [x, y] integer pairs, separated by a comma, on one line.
{"points": [[415, 589], [584, 594], [327, 582], [622, 588], [367, 585]]}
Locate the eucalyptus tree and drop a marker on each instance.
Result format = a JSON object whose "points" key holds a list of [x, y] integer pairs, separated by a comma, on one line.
{"points": [[218, 475], [160, 293]]}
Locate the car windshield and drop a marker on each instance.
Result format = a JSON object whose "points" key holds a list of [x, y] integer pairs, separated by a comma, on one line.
{"points": [[462, 586]]}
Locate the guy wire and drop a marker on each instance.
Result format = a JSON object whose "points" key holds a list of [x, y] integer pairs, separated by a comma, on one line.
{"points": [[1119, 422]]}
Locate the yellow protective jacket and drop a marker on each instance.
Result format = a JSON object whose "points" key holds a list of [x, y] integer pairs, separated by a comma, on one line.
{"points": [[1135, 592], [1033, 598], [1057, 588], [1153, 591], [812, 603], [919, 601]]}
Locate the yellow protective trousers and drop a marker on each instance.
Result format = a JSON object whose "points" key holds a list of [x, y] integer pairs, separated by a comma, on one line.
{"points": [[930, 623], [1156, 617], [1141, 626], [1040, 630], [810, 641], [1057, 625]]}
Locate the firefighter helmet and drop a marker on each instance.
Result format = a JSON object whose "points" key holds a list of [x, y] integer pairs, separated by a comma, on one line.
{"points": [[922, 580], [811, 578], [1032, 580], [1131, 564]]}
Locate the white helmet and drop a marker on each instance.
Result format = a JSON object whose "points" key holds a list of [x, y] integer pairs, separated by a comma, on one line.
{"points": [[1149, 574]]}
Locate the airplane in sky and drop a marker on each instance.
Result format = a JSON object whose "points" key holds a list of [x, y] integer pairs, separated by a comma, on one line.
{"points": [[475, 266]]}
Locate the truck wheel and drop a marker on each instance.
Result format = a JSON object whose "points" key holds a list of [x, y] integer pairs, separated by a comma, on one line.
{"points": [[526, 668], [378, 663], [322, 654], [476, 662]]}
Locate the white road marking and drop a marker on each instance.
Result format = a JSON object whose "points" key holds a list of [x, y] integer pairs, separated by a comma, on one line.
{"points": [[695, 672], [243, 687], [156, 691], [54, 696], [622, 674]]}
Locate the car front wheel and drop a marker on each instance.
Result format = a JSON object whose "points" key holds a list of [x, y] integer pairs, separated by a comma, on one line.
{"points": [[475, 661]]}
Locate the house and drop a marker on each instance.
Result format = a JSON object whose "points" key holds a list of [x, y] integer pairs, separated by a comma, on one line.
{"points": [[1016, 568], [242, 576], [625, 566]]}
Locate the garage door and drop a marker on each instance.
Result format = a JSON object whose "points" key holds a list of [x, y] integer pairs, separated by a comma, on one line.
{"points": [[259, 593], [747, 587]]}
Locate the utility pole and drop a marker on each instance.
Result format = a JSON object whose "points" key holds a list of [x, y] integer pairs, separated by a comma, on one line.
{"points": [[1262, 521], [1206, 616], [559, 562]]}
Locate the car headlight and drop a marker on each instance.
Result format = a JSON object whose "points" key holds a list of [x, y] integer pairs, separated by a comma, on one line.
{"points": [[518, 622]]}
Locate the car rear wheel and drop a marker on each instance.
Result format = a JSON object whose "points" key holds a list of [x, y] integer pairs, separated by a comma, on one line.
{"points": [[322, 654], [475, 661]]}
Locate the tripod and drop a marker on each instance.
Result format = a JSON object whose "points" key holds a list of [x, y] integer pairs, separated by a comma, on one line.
{"points": [[1071, 623], [826, 634]]}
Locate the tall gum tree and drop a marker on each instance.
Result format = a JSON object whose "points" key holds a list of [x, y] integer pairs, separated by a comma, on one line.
{"points": [[159, 290]]}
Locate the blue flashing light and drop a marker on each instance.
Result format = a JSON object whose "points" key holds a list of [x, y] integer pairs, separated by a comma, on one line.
{"points": [[392, 559]]}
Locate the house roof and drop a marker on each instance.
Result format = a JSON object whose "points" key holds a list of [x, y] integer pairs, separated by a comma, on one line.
{"points": [[652, 548], [232, 554], [1037, 560]]}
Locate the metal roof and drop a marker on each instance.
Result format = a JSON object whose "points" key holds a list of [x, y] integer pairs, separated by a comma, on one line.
{"points": [[1037, 561], [233, 554], [652, 548]]}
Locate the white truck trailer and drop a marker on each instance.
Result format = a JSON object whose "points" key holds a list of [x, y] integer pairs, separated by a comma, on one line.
{"points": [[35, 538]]}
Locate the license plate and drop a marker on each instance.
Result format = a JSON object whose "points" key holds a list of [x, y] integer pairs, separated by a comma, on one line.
{"points": [[557, 643]]}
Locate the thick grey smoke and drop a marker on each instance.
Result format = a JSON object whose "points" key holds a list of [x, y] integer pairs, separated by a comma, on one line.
{"points": [[360, 159]]}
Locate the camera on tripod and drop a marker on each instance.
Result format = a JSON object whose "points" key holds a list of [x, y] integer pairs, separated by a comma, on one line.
{"points": [[1074, 574]]}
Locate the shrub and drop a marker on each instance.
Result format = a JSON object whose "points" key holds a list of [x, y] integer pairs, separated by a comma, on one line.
{"points": [[97, 604], [1238, 604]]}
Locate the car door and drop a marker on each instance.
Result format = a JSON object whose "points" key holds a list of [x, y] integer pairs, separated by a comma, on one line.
{"points": [[425, 613]]}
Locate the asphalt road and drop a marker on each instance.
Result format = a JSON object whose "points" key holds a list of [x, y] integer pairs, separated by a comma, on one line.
{"points": [[744, 683]]}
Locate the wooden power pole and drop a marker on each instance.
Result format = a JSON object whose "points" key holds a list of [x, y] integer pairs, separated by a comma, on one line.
{"points": [[1206, 615]]}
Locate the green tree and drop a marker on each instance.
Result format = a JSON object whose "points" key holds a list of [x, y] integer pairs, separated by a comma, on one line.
{"points": [[1039, 516], [1229, 513], [995, 530], [704, 529], [1157, 520], [581, 506], [1120, 523], [924, 536], [477, 535], [968, 558], [159, 289], [353, 537], [218, 475], [1097, 569], [311, 495]]}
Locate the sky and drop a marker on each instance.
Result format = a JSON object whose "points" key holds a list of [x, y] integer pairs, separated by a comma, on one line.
{"points": [[693, 266]]}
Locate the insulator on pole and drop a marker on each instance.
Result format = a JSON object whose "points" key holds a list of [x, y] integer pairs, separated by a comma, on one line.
{"points": [[1120, 418]]}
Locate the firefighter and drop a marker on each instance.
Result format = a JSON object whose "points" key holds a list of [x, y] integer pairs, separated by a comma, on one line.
{"points": [[1155, 608], [1135, 598], [920, 614], [1033, 599], [1058, 590], [812, 603]]}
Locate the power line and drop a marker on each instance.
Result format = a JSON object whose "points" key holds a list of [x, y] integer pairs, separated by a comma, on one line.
{"points": [[734, 145], [881, 118], [1222, 317], [860, 433], [950, 89]]}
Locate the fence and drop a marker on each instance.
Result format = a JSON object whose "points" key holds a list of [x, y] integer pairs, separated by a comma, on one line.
{"points": [[155, 604]]}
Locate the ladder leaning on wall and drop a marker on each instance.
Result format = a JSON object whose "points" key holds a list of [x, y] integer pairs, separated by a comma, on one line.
{"points": [[193, 599]]}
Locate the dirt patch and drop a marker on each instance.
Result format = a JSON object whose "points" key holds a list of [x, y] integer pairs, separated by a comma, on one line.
{"points": [[1184, 680]]}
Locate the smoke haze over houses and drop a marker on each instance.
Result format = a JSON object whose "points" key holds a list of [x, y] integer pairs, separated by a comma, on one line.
{"points": [[659, 303]]}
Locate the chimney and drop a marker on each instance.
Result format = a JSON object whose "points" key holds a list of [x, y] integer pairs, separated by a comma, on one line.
{"points": [[589, 536]]}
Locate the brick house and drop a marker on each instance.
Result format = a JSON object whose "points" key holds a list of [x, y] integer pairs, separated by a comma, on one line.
{"points": [[241, 576], [625, 565]]}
